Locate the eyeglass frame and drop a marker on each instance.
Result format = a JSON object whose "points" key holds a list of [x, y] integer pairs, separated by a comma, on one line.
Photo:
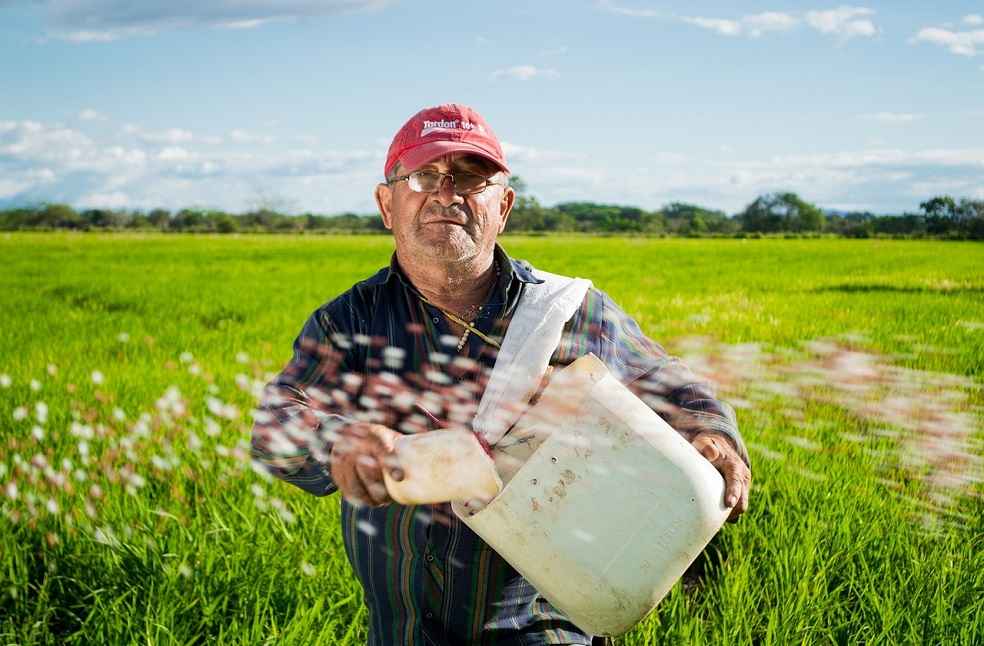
{"points": [[440, 183]]}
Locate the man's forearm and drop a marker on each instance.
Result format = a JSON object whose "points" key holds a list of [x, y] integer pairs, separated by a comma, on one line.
{"points": [[292, 441]]}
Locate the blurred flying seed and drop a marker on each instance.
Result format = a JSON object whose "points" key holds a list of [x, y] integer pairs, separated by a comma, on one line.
{"points": [[366, 528], [123, 337]]}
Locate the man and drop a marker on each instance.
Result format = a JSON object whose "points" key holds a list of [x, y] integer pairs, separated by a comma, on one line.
{"points": [[410, 349]]}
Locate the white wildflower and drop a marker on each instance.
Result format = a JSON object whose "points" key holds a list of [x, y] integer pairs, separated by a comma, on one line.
{"points": [[212, 428], [20, 413], [41, 412], [35, 385], [122, 337], [308, 569], [37, 432], [119, 414], [5, 381], [186, 357], [82, 431], [242, 357], [97, 377]]}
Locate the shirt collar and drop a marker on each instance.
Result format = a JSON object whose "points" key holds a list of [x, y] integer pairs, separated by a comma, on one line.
{"points": [[518, 269]]}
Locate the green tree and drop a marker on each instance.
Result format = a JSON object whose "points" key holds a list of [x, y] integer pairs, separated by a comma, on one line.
{"points": [[781, 212]]}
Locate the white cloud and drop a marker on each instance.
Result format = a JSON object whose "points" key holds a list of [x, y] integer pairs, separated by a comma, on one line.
{"points": [[892, 117], [114, 200], [524, 72], [244, 24], [91, 115], [885, 180], [516, 153], [90, 166], [51, 162], [753, 25], [973, 19], [769, 21], [721, 26], [961, 43], [108, 20], [169, 136], [175, 153], [845, 22], [608, 5], [240, 136]]}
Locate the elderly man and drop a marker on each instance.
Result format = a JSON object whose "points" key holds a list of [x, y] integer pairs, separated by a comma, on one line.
{"points": [[411, 348]]}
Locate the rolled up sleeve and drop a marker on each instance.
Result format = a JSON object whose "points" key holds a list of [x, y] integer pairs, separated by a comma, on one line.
{"points": [[296, 421], [664, 383]]}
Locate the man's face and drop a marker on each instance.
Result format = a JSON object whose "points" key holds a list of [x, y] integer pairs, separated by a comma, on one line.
{"points": [[443, 226]]}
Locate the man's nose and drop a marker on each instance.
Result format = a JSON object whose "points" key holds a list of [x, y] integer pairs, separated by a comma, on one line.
{"points": [[445, 194]]}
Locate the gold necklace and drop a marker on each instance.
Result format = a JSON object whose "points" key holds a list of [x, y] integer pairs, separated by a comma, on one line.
{"points": [[469, 327]]}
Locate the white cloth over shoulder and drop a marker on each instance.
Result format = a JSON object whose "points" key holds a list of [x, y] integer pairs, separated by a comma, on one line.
{"points": [[531, 338]]}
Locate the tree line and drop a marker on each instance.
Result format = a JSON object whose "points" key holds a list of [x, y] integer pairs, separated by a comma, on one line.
{"points": [[774, 213]]}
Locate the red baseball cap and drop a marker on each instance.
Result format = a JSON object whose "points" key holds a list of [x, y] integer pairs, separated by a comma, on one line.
{"points": [[443, 129]]}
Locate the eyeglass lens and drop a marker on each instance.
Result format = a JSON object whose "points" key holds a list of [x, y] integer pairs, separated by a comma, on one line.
{"points": [[429, 181]]}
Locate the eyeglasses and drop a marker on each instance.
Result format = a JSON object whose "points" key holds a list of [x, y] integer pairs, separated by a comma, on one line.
{"points": [[429, 181]]}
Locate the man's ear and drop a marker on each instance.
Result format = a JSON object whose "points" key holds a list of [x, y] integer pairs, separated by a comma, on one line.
{"points": [[506, 206], [384, 199]]}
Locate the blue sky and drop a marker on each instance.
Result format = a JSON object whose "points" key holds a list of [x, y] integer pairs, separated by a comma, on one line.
{"points": [[292, 103]]}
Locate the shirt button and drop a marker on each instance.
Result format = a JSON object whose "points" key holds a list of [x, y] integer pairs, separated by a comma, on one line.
{"points": [[430, 558], [429, 614], [437, 320]]}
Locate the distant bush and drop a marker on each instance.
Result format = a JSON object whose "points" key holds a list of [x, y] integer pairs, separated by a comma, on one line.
{"points": [[777, 214]]}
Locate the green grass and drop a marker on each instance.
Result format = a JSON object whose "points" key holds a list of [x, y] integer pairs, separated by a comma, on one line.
{"points": [[837, 546]]}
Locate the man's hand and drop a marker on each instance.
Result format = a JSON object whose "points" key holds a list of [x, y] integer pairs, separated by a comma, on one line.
{"points": [[358, 458], [719, 451]]}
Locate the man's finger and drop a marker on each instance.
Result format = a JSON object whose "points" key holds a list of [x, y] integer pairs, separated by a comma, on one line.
{"points": [[355, 492], [732, 482], [369, 474], [384, 438], [707, 446]]}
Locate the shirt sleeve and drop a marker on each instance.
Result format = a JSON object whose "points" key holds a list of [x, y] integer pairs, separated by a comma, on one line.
{"points": [[296, 421], [664, 383]]}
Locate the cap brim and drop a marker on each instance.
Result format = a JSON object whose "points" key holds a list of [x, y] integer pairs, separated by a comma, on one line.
{"points": [[419, 155]]}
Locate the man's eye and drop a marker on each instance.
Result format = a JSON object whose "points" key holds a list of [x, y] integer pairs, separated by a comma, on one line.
{"points": [[469, 179], [428, 176]]}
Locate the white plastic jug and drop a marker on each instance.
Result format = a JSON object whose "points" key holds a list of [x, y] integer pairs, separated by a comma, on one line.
{"points": [[441, 466], [604, 505]]}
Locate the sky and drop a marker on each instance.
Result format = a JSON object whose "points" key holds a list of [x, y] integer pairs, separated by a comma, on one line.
{"points": [[291, 104]]}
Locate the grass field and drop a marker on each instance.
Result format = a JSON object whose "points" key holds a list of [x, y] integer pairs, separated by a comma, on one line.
{"points": [[129, 364]]}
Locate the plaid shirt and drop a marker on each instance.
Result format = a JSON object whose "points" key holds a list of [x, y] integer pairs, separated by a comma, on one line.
{"points": [[428, 578]]}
